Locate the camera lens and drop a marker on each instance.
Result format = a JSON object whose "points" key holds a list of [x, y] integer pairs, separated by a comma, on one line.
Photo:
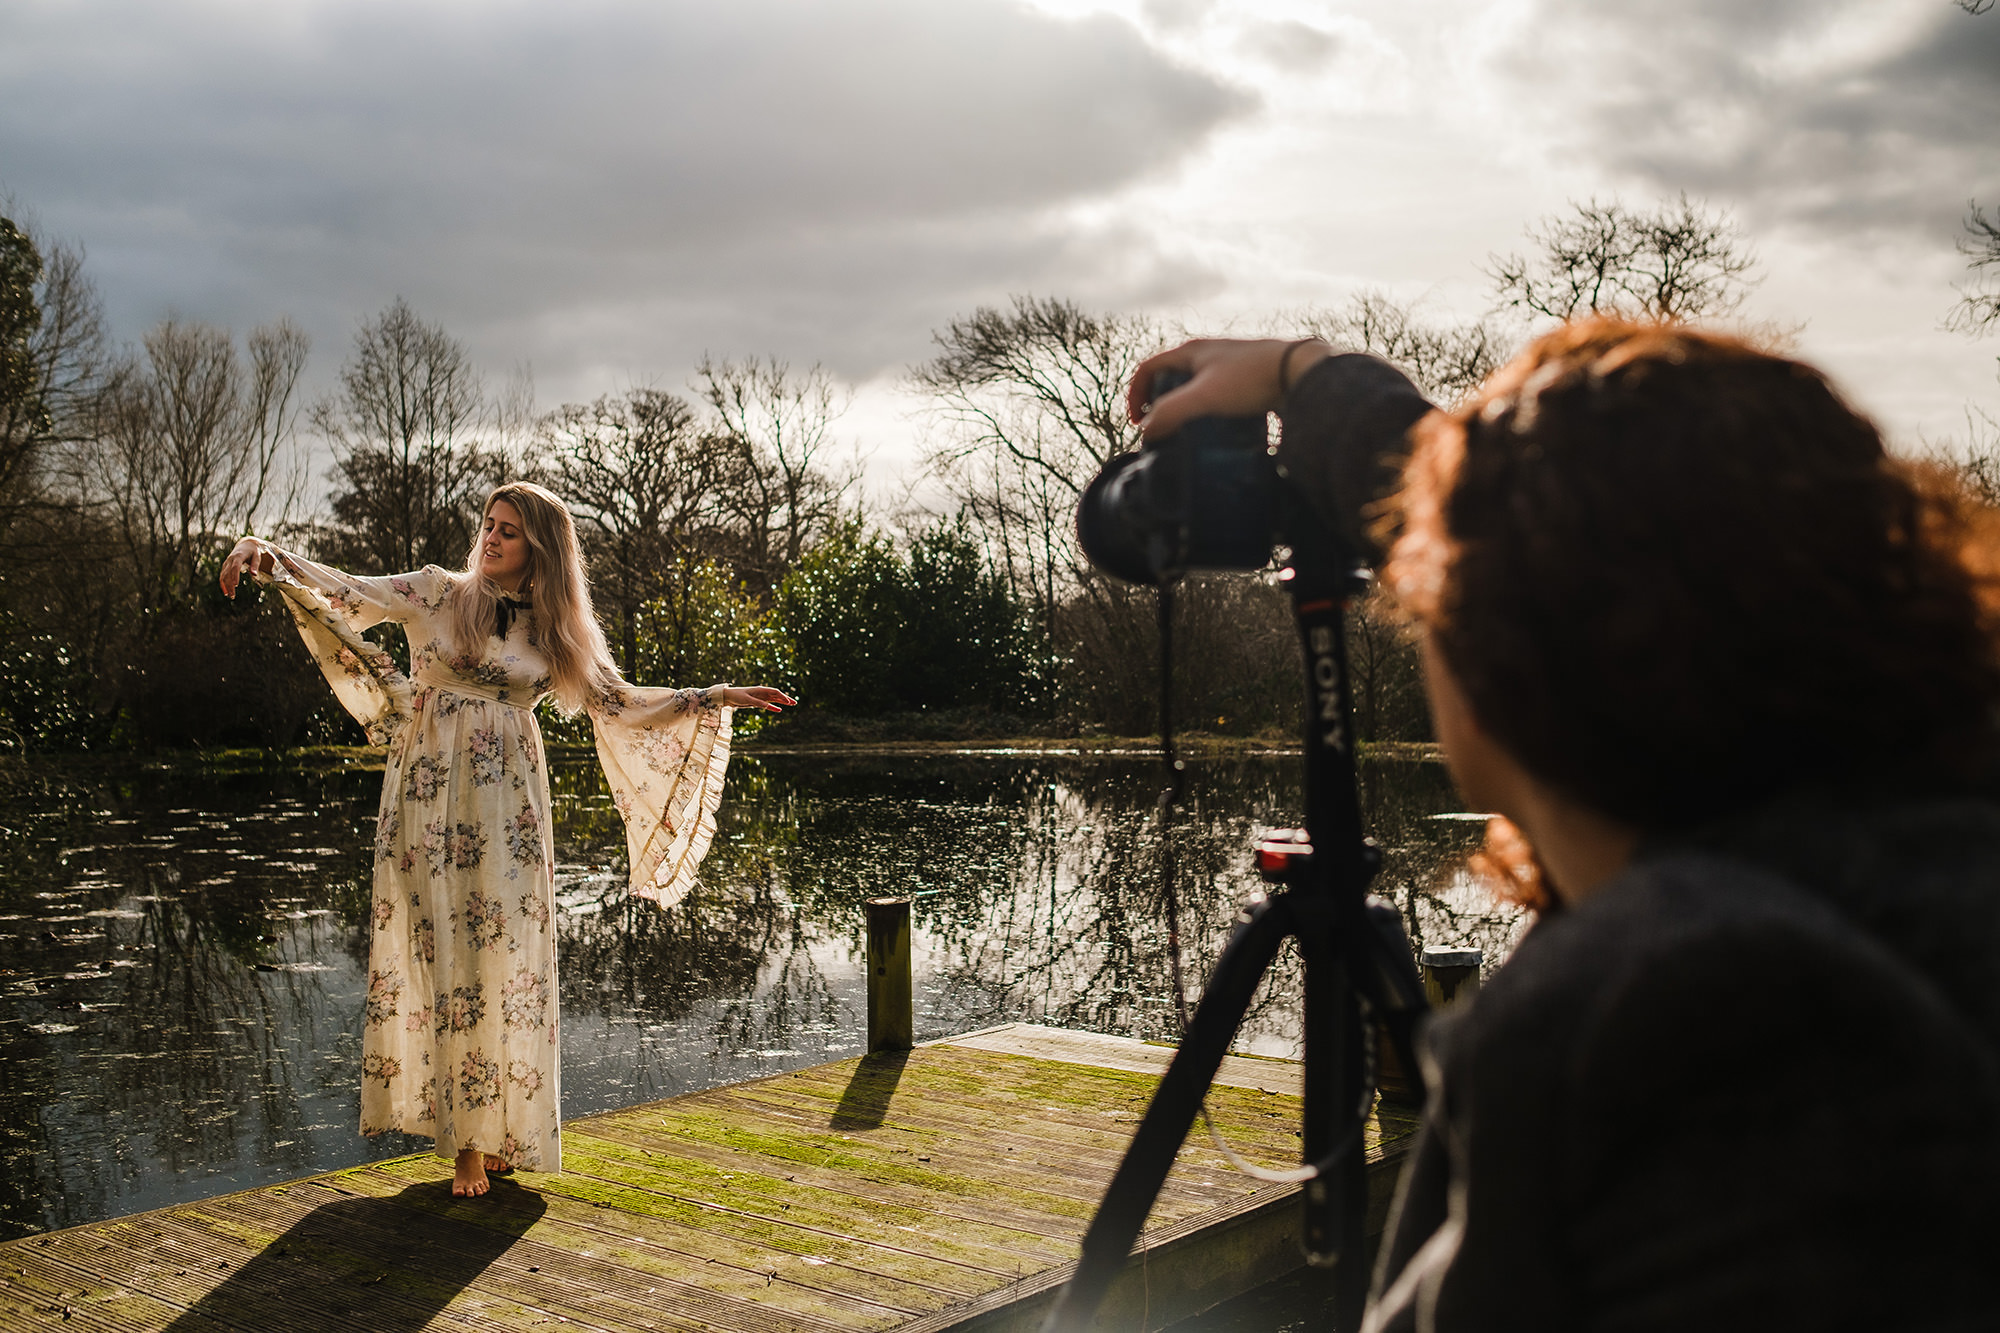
{"points": [[1204, 497]]}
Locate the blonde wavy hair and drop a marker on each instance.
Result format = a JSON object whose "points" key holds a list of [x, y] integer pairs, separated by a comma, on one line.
{"points": [[564, 625]]}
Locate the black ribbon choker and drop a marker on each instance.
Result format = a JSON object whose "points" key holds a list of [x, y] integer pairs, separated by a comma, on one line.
{"points": [[504, 608]]}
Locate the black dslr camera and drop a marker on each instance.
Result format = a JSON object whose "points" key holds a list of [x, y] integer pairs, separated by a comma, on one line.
{"points": [[1205, 497]]}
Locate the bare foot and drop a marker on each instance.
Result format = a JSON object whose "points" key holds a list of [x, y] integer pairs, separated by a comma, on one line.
{"points": [[496, 1167], [470, 1178]]}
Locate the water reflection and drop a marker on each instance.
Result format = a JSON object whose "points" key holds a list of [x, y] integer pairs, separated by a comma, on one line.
{"points": [[182, 952]]}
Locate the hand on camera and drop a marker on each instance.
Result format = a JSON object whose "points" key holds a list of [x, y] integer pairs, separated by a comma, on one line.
{"points": [[1231, 377]]}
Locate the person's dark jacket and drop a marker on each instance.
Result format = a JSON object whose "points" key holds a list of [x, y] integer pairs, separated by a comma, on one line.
{"points": [[1752, 1083]]}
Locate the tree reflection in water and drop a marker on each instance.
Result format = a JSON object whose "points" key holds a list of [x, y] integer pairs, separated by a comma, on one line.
{"points": [[183, 953]]}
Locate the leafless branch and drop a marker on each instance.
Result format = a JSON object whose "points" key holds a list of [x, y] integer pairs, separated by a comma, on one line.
{"points": [[1978, 308], [1678, 262], [1446, 362], [187, 445], [411, 463], [785, 491], [644, 478]]}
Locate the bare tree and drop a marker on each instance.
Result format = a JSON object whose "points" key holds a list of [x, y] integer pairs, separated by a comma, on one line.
{"points": [[52, 363], [1043, 383], [189, 445], [644, 478], [61, 600], [784, 491], [23, 419], [1677, 262], [1032, 399], [516, 423], [410, 464], [1977, 459], [1446, 362], [1978, 308]]}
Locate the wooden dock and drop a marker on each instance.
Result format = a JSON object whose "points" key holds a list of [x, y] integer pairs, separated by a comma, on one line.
{"points": [[941, 1188]]}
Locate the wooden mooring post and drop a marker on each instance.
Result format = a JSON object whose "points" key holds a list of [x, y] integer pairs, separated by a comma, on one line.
{"points": [[1451, 976], [892, 1017]]}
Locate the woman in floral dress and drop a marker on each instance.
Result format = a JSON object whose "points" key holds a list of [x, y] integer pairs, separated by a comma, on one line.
{"points": [[460, 1039]]}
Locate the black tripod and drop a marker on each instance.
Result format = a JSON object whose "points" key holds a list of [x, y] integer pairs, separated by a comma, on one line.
{"points": [[1358, 970]]}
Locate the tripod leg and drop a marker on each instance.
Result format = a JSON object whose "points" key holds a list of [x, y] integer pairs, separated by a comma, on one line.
{"points": [[1108, 1242], [1327, 1108], [1335, 1205], [1342, 1196], [1386, 976], [1368, 962]]}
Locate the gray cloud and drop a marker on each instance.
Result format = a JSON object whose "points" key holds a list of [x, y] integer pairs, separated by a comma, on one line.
{"points": [[1797, 111], [617, 184], [1291, 46], [1177, 15]]}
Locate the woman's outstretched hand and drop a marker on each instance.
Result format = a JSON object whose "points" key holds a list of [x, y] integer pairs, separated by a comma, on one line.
{"points": [[248, 554], [762, 697], [1232, 377]]}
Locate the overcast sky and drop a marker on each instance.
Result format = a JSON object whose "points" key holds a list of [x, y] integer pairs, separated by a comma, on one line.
{"points": [[603, 190]]}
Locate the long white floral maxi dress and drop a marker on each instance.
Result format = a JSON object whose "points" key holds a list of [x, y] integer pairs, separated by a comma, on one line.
{"points": [[460, 1038]]}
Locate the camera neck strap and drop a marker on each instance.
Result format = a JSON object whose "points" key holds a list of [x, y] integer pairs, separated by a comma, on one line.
{"points": [[1170, 798]]}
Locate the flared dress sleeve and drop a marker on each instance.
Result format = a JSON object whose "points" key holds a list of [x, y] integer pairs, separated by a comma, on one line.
{"points": [[664, 752], [331, 609]]}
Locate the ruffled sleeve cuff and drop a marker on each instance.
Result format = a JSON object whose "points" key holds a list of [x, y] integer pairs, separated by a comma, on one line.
{"points": [[364, 678], [664, 754]]}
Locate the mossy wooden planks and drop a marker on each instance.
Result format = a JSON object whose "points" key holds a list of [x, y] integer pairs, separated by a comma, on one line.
{"points": [[929, 1189]]}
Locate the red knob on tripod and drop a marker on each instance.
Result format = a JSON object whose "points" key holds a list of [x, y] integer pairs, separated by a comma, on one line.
{"points": [[1280, 851]]}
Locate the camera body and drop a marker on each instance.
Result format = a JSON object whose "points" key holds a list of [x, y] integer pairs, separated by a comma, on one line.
{"points": [[1205, 497]]}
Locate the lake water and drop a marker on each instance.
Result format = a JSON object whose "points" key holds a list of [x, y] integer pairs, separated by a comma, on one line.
{"points": [[183, 950]]}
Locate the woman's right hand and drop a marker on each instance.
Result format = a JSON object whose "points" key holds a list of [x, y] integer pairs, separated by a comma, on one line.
{"points": [[247, 554]]}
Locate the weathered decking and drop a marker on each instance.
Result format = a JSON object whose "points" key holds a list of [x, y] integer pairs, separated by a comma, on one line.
{"points": [[943, 1188]]}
